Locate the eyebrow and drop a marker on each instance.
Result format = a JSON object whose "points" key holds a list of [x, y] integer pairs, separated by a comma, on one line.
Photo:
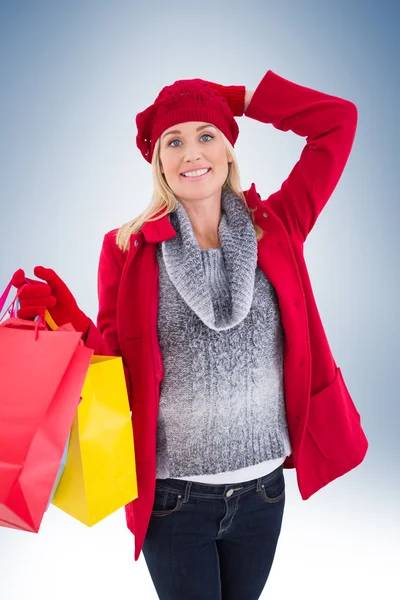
{"points": [[198, 129]]}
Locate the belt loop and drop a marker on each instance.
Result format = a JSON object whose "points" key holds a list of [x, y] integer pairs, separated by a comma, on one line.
{"points": [[187, 491]]}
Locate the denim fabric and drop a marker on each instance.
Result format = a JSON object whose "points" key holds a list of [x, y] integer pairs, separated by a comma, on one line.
{"points": [[214, 542]]}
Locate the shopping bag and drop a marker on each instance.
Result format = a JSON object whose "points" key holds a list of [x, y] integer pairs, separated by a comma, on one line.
{"points": [[41, 378], [59, 473], [13, 312], [100, 473]]}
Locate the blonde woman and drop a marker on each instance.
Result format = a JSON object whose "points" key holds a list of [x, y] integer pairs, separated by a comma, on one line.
{"points": [[207, 298]]}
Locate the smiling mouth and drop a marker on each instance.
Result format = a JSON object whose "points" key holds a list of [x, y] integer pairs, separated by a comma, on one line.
{"points": [[196, 177]]}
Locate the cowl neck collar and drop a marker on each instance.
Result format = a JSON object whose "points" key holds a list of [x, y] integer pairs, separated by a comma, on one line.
{"points": [[184, 263]]}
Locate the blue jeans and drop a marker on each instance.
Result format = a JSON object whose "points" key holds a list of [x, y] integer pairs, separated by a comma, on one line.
{"points": [[214, 542]]}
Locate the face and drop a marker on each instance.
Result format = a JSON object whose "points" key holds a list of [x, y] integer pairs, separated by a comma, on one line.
{"points": [[189, 147]]}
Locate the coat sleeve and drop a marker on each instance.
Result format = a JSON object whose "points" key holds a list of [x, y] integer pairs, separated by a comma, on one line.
{"points": [[328, 123], [103, 339]]}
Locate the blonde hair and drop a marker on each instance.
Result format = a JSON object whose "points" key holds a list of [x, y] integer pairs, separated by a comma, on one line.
{"points": [[164, 198]]}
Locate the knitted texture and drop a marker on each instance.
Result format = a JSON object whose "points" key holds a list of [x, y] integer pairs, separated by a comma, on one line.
{"points": [[221, 399], [233, 94], [189, 100], [183, 259]]}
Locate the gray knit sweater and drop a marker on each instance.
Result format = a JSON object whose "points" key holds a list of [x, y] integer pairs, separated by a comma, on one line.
{"points": [[221, 400]]}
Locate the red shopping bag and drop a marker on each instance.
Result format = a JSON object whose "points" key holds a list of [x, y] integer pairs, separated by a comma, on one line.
{"points": [[41, 377]]}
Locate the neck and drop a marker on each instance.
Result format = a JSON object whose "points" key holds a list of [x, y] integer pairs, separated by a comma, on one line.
{"points": [[205, 217], [208, 243]]}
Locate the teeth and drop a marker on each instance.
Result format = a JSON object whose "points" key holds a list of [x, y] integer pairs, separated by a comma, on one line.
{"points": [[195, 173]]}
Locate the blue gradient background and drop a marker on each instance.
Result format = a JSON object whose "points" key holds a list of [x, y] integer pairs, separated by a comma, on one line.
{"points": [[74, 75]]}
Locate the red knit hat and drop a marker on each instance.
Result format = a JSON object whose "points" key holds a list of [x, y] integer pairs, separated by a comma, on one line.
{"points": [[190, 100]]}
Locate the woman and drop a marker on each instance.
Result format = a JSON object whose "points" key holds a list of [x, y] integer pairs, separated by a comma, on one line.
{"points": [[207, 298]]}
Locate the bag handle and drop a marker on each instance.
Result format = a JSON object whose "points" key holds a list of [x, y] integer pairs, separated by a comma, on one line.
{"points": [[11, 308], [4, 296], [12, 311]]}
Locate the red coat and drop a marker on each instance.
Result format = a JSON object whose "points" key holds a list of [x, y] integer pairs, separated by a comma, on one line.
{"points": [[324, 425]]}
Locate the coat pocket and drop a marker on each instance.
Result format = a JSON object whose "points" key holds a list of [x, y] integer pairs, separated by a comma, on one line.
{"points": [[333, 421]]}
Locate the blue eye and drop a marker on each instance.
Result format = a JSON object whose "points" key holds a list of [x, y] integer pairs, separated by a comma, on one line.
{"points": [[204, 135]]}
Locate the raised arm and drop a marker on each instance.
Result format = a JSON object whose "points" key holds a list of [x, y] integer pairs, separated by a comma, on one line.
{"points": [[329, 125]]}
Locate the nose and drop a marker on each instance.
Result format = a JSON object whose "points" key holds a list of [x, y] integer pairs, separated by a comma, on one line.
{"points": [[192, 153]]}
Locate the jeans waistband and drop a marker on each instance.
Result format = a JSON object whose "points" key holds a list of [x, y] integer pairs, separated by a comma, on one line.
{"points": [[213, 490]]}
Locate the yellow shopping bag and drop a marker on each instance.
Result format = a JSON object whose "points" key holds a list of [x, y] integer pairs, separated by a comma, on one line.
{"points": [[100, 474]]}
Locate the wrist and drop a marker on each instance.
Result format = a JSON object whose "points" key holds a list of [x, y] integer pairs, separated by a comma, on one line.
{"points": [[85, 335], [247, 98], [233, 94], [80, 321]]}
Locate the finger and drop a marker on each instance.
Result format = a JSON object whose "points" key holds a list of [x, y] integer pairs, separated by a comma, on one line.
{"points": [[34, 290], [18, 279], [47, 274], [31, 312], [48, 301]]}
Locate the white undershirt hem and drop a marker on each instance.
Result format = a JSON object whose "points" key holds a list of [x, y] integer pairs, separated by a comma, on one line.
{"points": [[240, 475]]}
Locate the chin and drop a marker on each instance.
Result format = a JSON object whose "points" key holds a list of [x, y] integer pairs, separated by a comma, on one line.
{"points": [[198, 194], [198, 191]]}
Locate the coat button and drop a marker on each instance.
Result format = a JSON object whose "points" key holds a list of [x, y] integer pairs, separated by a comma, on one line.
{"points": [[265, 215], [136, 242], [229, 493]]}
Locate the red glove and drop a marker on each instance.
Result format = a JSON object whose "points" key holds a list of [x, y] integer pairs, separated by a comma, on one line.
{"points": [[36, 296], [233, 94]]}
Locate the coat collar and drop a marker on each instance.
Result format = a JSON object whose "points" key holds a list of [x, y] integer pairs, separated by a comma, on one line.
{"points": [[161, 229]]}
